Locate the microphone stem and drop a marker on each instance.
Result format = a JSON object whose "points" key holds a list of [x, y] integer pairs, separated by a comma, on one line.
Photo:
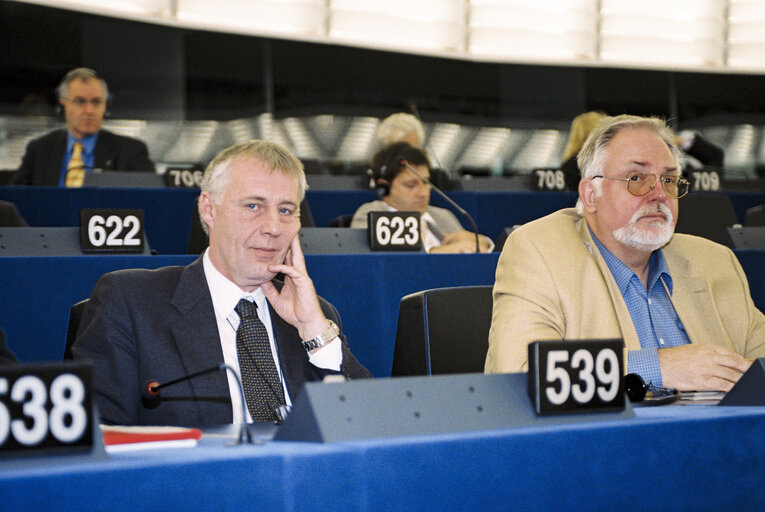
{"points": [[448, 200], [186, 377]]}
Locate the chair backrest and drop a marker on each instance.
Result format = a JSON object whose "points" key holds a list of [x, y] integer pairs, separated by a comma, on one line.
{"points": [[75, 315], [443, 331], [708, 216]]}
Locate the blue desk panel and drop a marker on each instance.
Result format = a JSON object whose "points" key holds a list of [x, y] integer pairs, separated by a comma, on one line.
{"points": [[366, 289], [666, 458], [166, 211]]}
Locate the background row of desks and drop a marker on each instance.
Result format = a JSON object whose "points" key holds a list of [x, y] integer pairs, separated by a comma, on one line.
{"points": [[37, 293], [168, 211]]}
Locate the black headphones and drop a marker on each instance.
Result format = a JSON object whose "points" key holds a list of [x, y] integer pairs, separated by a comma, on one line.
{"points": [[383, 176]]}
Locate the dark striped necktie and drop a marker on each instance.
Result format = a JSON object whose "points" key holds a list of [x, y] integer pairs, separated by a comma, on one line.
{"points": [[262, 388]]}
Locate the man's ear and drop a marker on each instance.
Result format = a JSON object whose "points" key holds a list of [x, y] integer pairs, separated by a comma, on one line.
{"points": [[206, 208], [588, 195]]}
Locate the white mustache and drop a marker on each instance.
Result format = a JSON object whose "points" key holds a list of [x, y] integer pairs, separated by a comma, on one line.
{"points": [[650, 210]]}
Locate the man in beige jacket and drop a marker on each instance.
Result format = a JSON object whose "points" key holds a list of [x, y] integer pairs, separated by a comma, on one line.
{"points": [[613, 268]]}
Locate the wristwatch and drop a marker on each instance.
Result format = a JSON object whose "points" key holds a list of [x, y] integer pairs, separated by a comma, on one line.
{"points": [[322, 339]]}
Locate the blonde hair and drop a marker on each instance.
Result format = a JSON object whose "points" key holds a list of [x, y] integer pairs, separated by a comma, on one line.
{"points": [[581, 127], [396, 128]]}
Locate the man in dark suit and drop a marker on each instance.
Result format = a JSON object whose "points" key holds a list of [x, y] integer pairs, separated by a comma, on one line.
{"points": [[83, 96], [143, 325]]}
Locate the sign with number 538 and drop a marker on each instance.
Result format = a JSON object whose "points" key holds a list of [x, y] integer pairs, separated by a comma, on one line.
{"points": [[576, 376], [45, 408]]}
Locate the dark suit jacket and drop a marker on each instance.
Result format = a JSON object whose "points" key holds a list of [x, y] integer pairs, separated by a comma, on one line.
{"points": [[143, 325], [10, 217], [41, 164]]}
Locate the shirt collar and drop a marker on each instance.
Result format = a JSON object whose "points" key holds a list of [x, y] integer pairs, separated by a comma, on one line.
{"points": [[657, 268], [225, 294], [88, 142]]}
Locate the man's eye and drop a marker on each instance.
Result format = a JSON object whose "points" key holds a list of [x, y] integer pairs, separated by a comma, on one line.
{"points": [[252, 206], [287, 211]]}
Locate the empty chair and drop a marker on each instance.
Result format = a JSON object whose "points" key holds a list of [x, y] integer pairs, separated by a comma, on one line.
{"points": [[75, 315], [442, 331], [708, 216]]}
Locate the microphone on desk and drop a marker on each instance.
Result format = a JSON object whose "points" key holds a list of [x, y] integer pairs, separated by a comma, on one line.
{"points": [[448, 200], [151, 398]]}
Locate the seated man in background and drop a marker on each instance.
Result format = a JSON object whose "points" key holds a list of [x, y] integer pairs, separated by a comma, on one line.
{"points": [[61, 157], [400, 189], [141, 325], [612, 268]]}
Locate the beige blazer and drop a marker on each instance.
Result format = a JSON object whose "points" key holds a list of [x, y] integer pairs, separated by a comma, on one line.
{"points": [[552, 283]]}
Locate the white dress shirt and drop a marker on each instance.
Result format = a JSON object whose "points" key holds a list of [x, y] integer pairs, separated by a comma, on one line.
{"points": [[225, 296]]}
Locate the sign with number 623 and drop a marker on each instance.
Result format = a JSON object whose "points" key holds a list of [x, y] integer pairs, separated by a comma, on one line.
{"points": [[394, 231]]}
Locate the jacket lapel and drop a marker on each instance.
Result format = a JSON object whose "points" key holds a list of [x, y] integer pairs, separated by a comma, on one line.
{"points": [[292, 356], [104, 153], [195, 333], [618, 308], [693, 302]]}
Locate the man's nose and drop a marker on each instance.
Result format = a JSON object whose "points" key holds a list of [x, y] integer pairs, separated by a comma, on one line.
{"points": [[271, 224]]}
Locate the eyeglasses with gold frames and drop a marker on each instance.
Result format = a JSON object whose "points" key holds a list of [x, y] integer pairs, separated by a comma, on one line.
{"points": [[641, 183]]}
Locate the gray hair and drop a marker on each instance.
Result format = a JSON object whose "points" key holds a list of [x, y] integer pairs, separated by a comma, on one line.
{"points": [[84, 74], [396, 127], [591, 157], [272, 155]]}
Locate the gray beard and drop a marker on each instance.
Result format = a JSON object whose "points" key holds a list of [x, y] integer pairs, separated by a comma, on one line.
{"points": [[657, 235]]}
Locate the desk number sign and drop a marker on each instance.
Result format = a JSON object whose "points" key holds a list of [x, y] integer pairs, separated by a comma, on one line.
{"points": [[45, 408], [394, 231], [111, 230], [576, 376]]}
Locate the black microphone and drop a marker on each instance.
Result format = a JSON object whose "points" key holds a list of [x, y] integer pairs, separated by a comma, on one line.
{"points": [[151, 398], [448, 200], [416, 114]]}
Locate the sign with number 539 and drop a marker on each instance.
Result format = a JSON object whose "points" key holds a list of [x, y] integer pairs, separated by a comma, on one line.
{"points": [[576, 376]]}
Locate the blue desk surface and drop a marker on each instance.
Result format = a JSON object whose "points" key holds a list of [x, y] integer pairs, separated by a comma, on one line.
{"points": [[168, 211], [666, 458]]}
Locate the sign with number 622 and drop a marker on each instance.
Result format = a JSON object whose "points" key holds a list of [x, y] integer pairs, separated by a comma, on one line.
{"points": [[576, 376]]}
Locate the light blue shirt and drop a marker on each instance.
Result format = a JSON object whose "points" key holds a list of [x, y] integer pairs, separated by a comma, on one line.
{"points": [[653, 315], [88, 148]]}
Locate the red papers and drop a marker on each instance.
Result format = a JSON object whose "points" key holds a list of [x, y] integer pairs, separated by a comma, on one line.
{"points": [[118, 438]]}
